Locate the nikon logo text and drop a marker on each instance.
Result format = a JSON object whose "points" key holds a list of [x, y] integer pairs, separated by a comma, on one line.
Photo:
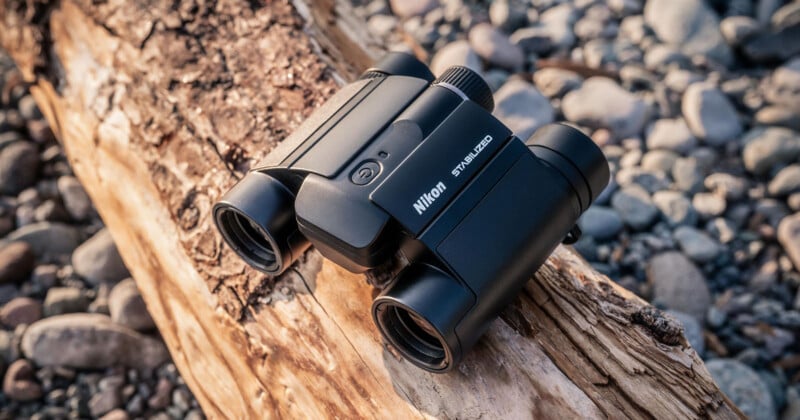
{"points": [[425, 200]]}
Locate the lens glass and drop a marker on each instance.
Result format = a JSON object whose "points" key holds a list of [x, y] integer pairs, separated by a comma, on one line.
{"points": [[247, 238], [413, 336]]}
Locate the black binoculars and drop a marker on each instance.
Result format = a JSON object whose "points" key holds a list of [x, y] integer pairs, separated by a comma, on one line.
{"points": [[398, 166]]}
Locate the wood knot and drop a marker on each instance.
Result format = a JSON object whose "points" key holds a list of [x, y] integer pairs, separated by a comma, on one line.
{"points": [[665, 329]]}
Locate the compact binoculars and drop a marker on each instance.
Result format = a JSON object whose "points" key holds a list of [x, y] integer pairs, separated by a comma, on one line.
{"points": [[400, 166]]}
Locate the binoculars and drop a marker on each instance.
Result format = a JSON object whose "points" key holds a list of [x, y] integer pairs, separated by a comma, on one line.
{"points": [[401, 167]]}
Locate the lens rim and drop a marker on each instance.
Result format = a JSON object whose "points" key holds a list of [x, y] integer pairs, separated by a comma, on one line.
{"points": [[242, 248], [387, 316]]}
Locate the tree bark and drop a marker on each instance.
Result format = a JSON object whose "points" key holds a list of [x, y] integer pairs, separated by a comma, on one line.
{"points": [[162, 107]]}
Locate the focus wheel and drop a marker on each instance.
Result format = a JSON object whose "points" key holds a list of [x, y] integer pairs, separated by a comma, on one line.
{"points": [[468, 84]]}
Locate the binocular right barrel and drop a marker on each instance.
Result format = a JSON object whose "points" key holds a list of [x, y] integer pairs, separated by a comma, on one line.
{"points": [[436, 311]]}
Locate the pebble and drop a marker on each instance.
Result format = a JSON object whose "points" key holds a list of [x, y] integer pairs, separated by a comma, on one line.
{"points": [[104, 402], [709, 114], [64, 300], [687, 174], [696, 245], [116, 414], [410, 8], [456, 53], [783, 86], [692, 330], [678, 284], [635, 206], [721, 229], [98, 261], [744, 387], [507, 15], [676, 208], [495, 47], [20, 383], [786, 181], [659, 160], [708, 205], [773, 45], [127, 307], [19, 165], [689, 25], [789, 237], [671, 134], [736, 29], [48, 240], [602, 103], [553, 31], [162, 395], [76, 201], [555, 82], [90, 341], [601, 223], [521, 107], [731, 187], [770, 147], [16, 262], [778, 116], [21, 310]]}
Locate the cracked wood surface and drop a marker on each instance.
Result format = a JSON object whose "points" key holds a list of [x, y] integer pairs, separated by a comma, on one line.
{"points": [[161, 107]]}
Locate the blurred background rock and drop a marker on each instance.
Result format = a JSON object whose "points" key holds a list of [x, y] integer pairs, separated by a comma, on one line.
{"points": [[695, 103]]}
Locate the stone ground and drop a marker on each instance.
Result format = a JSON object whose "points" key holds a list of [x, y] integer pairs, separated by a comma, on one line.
{"points": [[76, 340], [696, 104]]}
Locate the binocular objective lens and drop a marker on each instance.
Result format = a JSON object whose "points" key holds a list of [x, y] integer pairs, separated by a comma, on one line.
{"points": [[246, 236], [413, 336]]}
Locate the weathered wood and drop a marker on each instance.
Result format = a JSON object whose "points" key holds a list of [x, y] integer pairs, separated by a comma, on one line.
{"points": [[161, 107]]}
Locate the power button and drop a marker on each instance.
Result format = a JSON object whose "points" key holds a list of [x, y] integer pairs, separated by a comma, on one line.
{"points": [[365, 173]]}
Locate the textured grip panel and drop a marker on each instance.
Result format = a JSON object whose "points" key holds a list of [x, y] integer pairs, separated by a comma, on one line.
{"points": [[470, 84]]}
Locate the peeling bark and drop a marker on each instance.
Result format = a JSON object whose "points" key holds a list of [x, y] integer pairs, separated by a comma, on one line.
{"points": [[162, 107]]}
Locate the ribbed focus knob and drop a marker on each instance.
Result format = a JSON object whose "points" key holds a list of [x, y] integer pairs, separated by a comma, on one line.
{"points": [[469, 83]]}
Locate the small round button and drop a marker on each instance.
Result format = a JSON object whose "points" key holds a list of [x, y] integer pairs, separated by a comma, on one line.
{"points": [[365, 173]]}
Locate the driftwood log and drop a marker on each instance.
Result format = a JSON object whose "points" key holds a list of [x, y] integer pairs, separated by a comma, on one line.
{"points": [[161, 106]]}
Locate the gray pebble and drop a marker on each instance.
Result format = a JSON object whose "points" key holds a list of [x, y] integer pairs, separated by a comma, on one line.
{"points": [[554, 82], [48, 240], [64, 300], [634, 205], [744, 387], [522, 108], [731, 187], [90, 341], [97, 260], [411, 8], [736, 29], [456, 53], [676, 208], [601, 223], [687, 174], [678, 284], [708, 205], [495, 47], [696, 245], [789, 237], [689, 24], [767, 148], [786, 181], [709, 114], [602, 103], [127, 307], [659, 161], [671, 134], [19, 165]]}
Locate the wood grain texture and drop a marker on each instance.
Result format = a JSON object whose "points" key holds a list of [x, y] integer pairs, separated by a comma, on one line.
{"points": [[161, 107]]}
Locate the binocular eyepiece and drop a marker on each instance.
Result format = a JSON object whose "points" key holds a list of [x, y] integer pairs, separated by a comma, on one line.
{"points": [[399, 165]]}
